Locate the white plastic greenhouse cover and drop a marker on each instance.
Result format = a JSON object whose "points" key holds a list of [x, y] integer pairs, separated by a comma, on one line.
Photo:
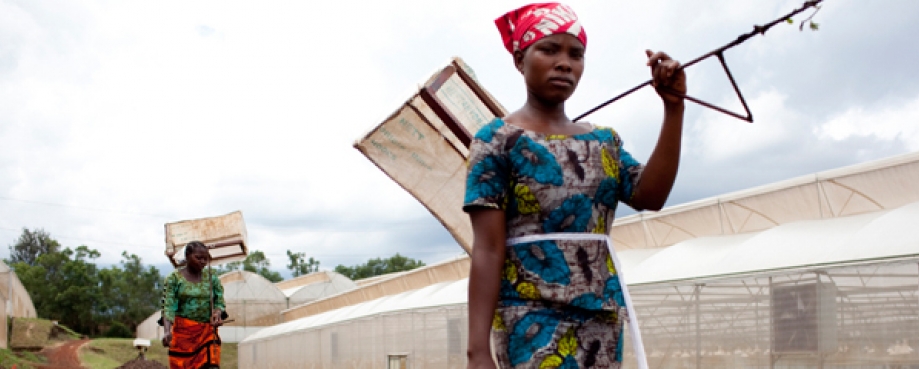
{"points": [[445, 271], [826, 219], [858, 189], [799, 244], [15, 301], [250, 286], [252, 300], [149, 328], [891, 234], [332, 284], [446, 293]]}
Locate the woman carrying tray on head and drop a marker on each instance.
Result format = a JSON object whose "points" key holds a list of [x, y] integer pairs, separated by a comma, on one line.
{"points": [[193, 308], [542, 192]]}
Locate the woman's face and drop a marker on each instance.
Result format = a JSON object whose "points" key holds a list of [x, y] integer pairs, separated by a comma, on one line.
{"points": [[552, 67], [198, 259]]}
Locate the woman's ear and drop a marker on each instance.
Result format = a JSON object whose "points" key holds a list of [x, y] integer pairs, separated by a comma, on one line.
{"points": [[518, 60]]}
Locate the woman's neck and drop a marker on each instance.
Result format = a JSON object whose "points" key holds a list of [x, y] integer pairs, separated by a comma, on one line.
{"points": [[194, 273], [545, 113]]}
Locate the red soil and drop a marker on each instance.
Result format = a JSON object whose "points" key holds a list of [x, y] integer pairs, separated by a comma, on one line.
{"points": [[63, 356]]}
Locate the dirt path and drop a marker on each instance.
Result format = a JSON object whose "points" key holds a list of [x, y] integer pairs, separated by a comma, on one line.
{"points": [[63, 356]]}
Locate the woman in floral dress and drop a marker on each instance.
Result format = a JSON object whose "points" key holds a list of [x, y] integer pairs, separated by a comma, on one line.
{"points": [[542, 192]]}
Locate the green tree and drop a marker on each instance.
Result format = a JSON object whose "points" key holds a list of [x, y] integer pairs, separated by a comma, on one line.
{"points": [[131, 292], [66, 285], [298, 266], [32, 244], [255, 262], [378, 266]]}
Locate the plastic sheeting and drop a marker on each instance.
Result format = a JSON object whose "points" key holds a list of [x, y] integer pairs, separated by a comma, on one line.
{"points": [[427, 326], [857, 316], [15, 301], [864, 188], [864, 315], [841, 291], [450, 270], [333, 284], [252, 300], [149, 328], [890, 234]]}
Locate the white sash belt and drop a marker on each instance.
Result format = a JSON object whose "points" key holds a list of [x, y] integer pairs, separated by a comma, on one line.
{"points": [[639, 348]]}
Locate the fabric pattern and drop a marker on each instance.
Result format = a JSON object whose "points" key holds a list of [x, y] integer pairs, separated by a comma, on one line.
{"points": [[560, 302], [190, 300], [194, 345], [523, 26]]}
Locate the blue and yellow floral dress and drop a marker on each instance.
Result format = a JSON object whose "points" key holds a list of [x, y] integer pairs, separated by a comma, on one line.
{"points": [[560, 303]]}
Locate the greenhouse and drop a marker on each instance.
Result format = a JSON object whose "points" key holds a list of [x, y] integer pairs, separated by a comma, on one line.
{"points": [[15, 301], [314, 286], [385, 285], [816, 272]]}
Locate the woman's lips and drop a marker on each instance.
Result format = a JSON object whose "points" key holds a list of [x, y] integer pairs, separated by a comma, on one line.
{"points": [[561, 81]]}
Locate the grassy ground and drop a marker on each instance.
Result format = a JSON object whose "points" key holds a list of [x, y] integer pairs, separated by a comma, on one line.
{"points": [[109, 353], [30, 333], [22, 360]]}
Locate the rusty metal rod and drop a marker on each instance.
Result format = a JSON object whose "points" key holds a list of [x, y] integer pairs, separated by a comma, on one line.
{"points": [[719, 52]]}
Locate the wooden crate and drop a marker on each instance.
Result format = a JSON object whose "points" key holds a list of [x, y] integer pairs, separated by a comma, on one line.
{"points": [[423, 145], [225, 237]]}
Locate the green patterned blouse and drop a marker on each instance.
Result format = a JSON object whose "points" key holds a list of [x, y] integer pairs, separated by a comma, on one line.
{"points": [[189, 300]]}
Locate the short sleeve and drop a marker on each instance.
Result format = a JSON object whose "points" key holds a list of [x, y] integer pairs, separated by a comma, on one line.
{"points": [[629, 173], [170, 297], [488, 171]]}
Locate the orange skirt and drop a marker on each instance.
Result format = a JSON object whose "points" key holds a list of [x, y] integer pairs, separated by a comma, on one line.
{"points": [[194, 345]]}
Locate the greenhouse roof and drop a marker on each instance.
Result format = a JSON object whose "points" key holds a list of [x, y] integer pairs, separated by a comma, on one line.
{"points": [[863, 188], [891, 234], [445, 293], [249, 286]]}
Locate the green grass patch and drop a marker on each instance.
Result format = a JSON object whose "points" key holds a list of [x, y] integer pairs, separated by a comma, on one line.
{"points": [[229, 357], [22, 360], [110, 353], [33, 333], [30, 333]]}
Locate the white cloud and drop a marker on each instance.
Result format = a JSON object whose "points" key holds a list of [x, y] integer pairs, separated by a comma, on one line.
{"points": [[718, 137], [894, 122]]}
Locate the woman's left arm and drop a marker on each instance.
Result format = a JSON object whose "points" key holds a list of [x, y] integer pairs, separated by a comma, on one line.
{"points": [[219, 303], [660, 171]]}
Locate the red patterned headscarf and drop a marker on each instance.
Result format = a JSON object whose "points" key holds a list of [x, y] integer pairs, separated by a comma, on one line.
{"points": [[522, 27]]}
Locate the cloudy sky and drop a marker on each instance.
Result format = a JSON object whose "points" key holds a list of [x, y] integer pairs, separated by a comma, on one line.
{"points": [[119, 116]]}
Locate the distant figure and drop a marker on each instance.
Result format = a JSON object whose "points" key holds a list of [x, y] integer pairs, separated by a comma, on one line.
{"points": [[193, 308], [541, 193]]}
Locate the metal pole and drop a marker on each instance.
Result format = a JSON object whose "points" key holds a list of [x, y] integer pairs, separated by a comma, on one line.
{"points": [[772, 355], [697, 292]]}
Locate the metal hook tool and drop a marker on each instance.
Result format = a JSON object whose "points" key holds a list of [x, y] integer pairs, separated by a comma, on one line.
{"points": [[719, 53]]}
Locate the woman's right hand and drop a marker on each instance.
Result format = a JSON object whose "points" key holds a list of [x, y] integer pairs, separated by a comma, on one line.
{"points": [[167, 339]]}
